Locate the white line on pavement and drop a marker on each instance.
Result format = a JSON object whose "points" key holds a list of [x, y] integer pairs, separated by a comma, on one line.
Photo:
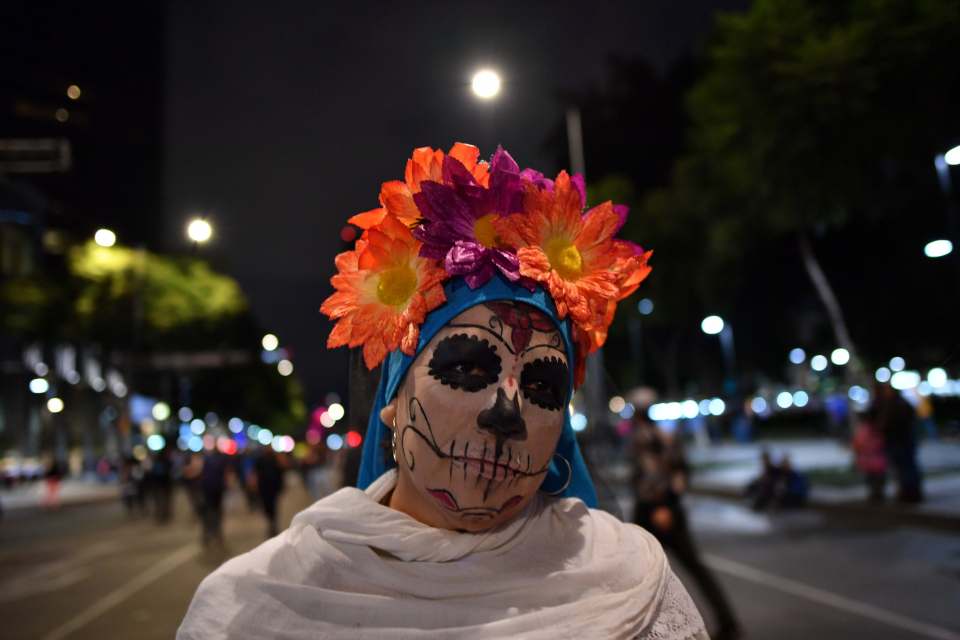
{"points": [[837, 601], [123, 592]]}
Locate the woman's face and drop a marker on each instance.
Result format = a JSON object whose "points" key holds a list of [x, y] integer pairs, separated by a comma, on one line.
{"points": [[478, 417]]}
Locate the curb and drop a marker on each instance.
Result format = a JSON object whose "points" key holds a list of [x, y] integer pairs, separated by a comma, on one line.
{"points": [[887, 514]]}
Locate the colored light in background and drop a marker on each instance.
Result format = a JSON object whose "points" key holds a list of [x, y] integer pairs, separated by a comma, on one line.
{"points": [[937, 377], [74, 92], [285, 367], [336, 411], [903, 380], [897, 363], [645, 306], [160, 411], [197, 426], [840, 357], [882, 374], [334, 442], [952, 156], [798, 355], [800, 398], [485, 84], [54, 405], [39, 385], [578, 421], [156, 442], [616, 404], [235, 425], [818, 363], [858, 394], [195, 444], [628, 410], [689, 409], [265, 437], [327, 420], [354, 439], [270, 342], [759, 405], [105, 237], [717, 407], [784, 399], [313, 437]]}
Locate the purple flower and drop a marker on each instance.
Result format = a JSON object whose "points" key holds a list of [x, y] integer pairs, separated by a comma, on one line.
{"points": [[458, 219], [542, 182]]}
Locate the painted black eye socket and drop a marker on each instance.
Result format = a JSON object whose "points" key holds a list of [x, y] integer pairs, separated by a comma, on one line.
{"points": [[544, 382], [465, 362]]}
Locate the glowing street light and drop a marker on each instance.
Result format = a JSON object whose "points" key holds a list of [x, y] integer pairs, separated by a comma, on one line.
{"points": [[270, 342], [285, 367], [712, 325], [39, 385], [199, 230], [818, 362], [54, 405], [938, 248], [105, 237], [952, 157], [840, 357], [797, 355], [485, 84]]}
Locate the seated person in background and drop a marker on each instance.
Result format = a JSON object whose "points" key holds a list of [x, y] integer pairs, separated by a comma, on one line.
{"points": [[480, 290]]}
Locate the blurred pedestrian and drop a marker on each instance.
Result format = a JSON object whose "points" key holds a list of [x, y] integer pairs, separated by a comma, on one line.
{"points": [[132, 489], [213, 483], [53, 476], [762, 489], [870, 456], [793, 487], [897, 420], [269, 479], [660, 478], [161, 484], [192, 477]]}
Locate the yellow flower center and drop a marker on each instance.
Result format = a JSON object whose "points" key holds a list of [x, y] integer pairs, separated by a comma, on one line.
{"points": [[396, 285], [484, 231], [564, 258]]}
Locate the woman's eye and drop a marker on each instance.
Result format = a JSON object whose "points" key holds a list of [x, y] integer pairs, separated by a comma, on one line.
{"points": [[544, 383], [465, 362]]}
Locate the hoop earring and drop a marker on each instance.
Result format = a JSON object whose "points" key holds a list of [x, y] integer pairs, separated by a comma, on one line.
{"points": [[569, 477], [393, 441]]}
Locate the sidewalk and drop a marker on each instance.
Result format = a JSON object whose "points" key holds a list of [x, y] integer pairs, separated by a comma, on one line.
{"points": [[72, 491], [726, 468]]}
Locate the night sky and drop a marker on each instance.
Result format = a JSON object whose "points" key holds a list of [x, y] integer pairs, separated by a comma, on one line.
{"points": [[281, 121]]}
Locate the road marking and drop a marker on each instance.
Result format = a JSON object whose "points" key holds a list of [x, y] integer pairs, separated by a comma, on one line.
{"points": [[828, 598], [123, 592]]}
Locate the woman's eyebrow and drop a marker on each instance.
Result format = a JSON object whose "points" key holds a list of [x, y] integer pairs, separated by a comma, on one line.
{"points": [[494, 320], [545, 345]]}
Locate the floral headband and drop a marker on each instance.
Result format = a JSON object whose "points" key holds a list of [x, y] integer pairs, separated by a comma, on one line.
{"points": [[453, 215]]}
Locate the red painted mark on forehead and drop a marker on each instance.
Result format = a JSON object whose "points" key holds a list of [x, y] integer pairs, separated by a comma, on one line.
{"points": [[523, 321]]}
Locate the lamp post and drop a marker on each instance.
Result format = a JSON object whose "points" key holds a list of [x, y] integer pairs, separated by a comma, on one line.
{"points": [[942, 162], [199, 231], [715, 326]]}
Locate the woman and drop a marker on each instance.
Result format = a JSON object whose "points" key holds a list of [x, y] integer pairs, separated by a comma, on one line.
{"points": [[481, 289]]}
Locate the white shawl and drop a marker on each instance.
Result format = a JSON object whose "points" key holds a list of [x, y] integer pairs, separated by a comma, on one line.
{"points": [[350, 567]]}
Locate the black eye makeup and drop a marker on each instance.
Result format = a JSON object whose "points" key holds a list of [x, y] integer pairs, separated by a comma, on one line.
{"points": [[465, 362], [544, 383]]}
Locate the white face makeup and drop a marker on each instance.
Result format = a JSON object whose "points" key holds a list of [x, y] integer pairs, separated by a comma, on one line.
{"points": [[478, 417]]}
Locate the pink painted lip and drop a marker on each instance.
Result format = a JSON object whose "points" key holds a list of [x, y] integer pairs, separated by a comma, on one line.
{"points": [[444, 498]]}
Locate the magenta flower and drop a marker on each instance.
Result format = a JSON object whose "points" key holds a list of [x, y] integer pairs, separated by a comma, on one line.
{"points": [[458, 217]]}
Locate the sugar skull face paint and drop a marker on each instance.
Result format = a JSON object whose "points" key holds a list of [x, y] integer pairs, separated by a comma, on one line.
{"points": [[478, 417]]}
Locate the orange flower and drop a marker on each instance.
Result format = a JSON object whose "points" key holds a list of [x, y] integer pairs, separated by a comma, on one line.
{"points": [[574, 256], [384, 291], [396, 197]]}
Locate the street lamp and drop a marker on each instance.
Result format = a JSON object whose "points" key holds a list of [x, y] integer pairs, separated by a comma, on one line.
{"points": [[199, 230], [485, 84], [952, 157], [270, 342], [938, 248], [105, 237], [712, 326]]}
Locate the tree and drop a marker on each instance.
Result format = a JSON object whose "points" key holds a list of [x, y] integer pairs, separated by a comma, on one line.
{"points": [[817, 115]]}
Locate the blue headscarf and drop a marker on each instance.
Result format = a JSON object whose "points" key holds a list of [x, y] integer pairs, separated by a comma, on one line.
{"points": [[375, 460]]}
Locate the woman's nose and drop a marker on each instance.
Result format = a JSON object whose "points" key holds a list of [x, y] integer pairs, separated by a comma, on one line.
{"points": [[503, 419]]}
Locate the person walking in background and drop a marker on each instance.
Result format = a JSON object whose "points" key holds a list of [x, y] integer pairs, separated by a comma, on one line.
{"points": [[53, 477], [870, 456], [269, 480], [161, 484], [897, 421], [213, 482], [660, 478], [762, 489]]}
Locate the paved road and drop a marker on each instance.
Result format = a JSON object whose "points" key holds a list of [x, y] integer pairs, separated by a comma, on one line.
{"points": [[92, 572]]}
